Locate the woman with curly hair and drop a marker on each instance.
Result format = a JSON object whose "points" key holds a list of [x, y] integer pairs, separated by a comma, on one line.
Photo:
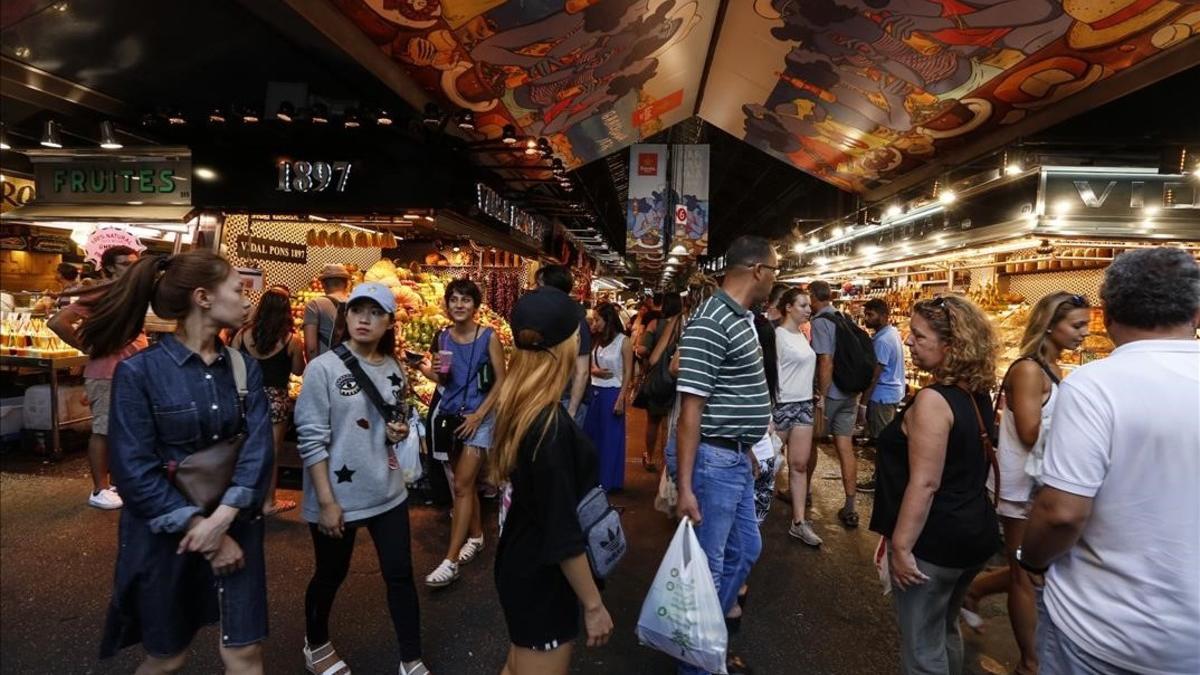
{"points": [[931, 500]]}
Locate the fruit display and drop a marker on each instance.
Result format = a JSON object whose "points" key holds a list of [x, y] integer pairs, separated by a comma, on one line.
{"points": [[21, 335]]}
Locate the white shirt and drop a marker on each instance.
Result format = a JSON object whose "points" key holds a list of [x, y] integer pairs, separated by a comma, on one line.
{"points": [[1126, 433], [797, 366], [610, 358]]}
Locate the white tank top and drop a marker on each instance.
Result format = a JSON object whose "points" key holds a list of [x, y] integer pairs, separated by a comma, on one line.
{"points": [[609, 358], [1011, 453]]}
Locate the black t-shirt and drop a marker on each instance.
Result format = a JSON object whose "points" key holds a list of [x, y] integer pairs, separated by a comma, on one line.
{"points": [[961, 530], [585, 338], [551, 475]]}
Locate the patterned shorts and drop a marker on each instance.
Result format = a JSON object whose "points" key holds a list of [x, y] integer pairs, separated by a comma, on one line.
{"points": [[788, 415], [764, 488], [280, 404]]}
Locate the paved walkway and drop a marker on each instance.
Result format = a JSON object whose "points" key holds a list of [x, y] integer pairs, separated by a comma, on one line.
{"points": [[810, 611]]}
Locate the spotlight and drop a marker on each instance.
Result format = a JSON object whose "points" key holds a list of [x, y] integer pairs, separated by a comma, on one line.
{"points": [[383, 119], [1013, 169], [250, 116], [205, 173], [50, 136], [350, 118], [108, 137], [894, 210], [531, 147], [176, 118], [4, 144], [285, 112], [320, 113], [839, 232], [216, 116], [466, 120], [509, 137], [433, 115], [947, 197], [799, 248]]}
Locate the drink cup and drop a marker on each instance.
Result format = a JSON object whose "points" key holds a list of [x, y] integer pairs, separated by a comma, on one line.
{"points": [[444, 359]]}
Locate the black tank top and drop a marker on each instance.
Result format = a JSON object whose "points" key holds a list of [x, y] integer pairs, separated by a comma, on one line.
{"points": [[275, 368], [962, 530]]}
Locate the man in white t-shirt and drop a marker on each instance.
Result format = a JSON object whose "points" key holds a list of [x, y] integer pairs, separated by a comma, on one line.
{"points": [[1116, 529]]}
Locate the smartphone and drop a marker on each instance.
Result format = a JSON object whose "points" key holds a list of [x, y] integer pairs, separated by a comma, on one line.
{"points": [[413, 358]]}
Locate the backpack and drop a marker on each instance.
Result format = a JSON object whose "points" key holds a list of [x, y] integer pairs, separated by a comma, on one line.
{"points": [[854, 355], [339, 321]]}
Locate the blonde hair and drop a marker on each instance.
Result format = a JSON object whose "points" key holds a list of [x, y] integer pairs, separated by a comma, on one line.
{"points": [[533, 382], [1045, 316], [970, 338]]}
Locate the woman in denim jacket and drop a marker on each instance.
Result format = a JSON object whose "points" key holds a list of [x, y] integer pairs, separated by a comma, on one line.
{"points": [[178, 570]]}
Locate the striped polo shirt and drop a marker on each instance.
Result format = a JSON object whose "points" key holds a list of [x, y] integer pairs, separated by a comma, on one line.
{"points": [[720, 359]]}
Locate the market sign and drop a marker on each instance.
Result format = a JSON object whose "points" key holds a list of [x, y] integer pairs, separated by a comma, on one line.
{"points": [[51, 244], [258, 248], [493, 205], [65, 179], [17, 193], [105, 238], [1119, 193]]}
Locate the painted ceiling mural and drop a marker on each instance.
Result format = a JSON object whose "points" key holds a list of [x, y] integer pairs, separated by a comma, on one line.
{"points": [[592, 76], [858, 91]]}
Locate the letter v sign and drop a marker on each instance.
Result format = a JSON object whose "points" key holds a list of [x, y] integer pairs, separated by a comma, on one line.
{"points": [[1084, 188]]}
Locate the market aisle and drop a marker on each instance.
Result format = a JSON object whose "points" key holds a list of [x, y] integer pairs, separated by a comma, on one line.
{"points": [[809, 611]]}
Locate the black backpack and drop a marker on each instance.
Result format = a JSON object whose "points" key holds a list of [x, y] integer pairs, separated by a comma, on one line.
{"points": [[854, 355]]}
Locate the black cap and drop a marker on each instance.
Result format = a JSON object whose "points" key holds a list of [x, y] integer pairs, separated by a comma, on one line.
{"points": [[545, 318]]}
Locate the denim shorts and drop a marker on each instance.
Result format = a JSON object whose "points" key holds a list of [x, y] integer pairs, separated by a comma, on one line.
{"points": [[840, 415], [796, 414]]}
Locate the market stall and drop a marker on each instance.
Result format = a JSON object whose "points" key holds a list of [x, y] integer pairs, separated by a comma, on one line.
{"points": [[1007, 243]]}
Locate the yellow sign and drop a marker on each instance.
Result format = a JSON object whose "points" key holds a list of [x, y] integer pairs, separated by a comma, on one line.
{"points": [[17, 193]]}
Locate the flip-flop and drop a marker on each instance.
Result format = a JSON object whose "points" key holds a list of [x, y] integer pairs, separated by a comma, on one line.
{"points": [[848, 517]]}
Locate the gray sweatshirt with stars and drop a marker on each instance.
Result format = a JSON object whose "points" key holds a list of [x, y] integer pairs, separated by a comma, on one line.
{"points": [[338, 424]]}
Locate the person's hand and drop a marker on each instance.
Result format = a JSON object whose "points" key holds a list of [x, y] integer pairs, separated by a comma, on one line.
{"points": [[599, 625], [435, 362], [1038, 580], [397, 431], [205, 535], [862, 414], [819, 401], [686, 505], [330, 522], [228, 557], [602, 373], [619, 406], [755, 467], [469, 426], [903, 565]]}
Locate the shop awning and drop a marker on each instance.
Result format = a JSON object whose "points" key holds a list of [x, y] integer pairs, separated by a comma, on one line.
{"points": [[41, 213]]}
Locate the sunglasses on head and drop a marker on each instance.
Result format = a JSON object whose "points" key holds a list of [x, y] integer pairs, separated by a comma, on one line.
{"points": [[1076, 300]]}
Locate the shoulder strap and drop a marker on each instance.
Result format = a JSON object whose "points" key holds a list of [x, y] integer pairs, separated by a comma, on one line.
{"points": [[237, 365], [364, 382], [985, 439]]}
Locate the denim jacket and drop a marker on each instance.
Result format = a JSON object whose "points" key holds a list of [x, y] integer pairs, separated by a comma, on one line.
{"points": [[167, 404]]}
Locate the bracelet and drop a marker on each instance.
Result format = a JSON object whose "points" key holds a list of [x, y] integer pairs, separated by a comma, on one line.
{"points": [[1030, 568]]}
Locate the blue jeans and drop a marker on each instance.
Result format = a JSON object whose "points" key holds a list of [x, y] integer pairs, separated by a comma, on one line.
{"points": [[723, 483], [1059, 655]]}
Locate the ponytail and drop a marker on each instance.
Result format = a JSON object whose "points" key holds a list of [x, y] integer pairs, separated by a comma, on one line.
{"points": [[162, 282]]}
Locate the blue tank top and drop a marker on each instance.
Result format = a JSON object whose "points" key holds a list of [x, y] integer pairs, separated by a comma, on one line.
{"points": [[461, 393]]}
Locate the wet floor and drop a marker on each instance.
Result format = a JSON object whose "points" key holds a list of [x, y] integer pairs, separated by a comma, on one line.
{"points": [[809, 611]]}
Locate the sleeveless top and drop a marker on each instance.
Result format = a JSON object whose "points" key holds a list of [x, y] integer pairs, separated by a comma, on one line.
{"points": [[461, 394], [609, 358], [961, 531], [276, 369], [1011, 453]]}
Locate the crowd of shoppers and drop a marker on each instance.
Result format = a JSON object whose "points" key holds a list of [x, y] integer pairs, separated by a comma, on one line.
{"points": [[1054, 475]]}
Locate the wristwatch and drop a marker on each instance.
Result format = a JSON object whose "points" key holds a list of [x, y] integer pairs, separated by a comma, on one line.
{"points": [[1027, 567]]}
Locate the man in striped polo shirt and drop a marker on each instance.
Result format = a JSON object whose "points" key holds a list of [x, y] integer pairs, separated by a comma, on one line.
{"points": [[724, 410]]}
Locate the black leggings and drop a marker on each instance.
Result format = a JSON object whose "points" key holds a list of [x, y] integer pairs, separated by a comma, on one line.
{"points": [[390, 534]]}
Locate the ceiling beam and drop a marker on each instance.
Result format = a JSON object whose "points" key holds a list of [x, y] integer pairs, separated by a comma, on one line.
{"points": [[1121, 84], [45, 90]]}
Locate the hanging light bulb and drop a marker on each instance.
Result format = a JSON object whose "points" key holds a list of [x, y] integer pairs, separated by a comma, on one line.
{"points": [[350, 119], [947, 196], [4, 144], [531, 147], [249, 116], [108, 137], [509, 137], [466, 120], [320, 113], [433, 115], [383, 118], [544, 148], [176, 118], [50, 135], [217, 116], [285, 112]]}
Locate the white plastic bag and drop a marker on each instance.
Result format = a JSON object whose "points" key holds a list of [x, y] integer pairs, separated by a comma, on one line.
{"points": [[682, 616], [667, 495], [408, 452], [883, 566]]}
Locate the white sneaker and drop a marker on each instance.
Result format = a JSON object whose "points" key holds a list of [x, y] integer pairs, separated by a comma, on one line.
{"points": [[804, 532], [445, 574], [469, 550], [106, 499], [418, 668]]}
